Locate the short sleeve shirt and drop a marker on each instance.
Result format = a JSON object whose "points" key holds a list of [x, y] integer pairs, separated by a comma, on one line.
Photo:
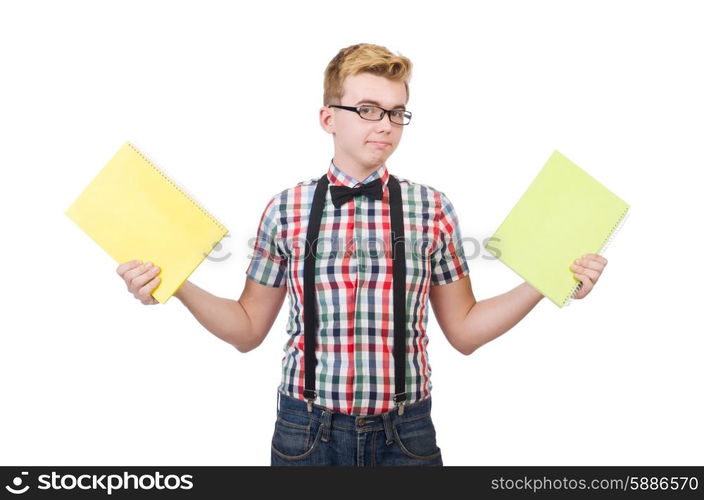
{"points": [[354, 287]]}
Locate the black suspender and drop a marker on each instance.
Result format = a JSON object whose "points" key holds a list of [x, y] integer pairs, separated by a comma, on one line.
{"points": [[310, 313], [399, 281]]}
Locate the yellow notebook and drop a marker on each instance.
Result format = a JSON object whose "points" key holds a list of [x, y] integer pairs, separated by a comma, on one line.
{"points": [[135, 212], [563, 214]]}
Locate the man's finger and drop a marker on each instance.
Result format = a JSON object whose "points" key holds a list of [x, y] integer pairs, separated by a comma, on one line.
{"points": [[144, 293], [597, 257], [586, 283], [594, 264], [126, 266], [133, 273], [593, 274], [144, 278]]}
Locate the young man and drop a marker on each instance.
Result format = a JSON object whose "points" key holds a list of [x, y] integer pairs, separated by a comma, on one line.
{"points": [[355, 387]]}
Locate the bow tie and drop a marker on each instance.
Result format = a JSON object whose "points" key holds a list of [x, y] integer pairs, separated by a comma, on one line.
{"points": [[342, 194]]}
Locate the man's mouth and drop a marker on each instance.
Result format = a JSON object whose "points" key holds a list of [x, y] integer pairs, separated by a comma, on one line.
{"points": [[380, 144]]}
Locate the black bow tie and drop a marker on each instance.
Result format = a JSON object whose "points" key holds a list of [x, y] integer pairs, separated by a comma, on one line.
{"points": [[342, 194]]}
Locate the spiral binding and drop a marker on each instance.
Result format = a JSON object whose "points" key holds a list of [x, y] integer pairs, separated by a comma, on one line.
{"points": [[170, 181], [606, 243]]}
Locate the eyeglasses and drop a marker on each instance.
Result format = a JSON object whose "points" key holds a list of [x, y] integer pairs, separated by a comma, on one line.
{"points": [[375, 113]]}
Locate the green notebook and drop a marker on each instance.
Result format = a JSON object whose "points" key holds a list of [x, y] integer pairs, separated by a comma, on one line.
{"points": [[564, 214]]}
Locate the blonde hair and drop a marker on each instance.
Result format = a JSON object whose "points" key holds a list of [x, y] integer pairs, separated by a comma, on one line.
{"points": [[363, 58]]}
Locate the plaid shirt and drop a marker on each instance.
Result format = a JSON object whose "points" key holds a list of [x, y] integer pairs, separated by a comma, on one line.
{"points": [[353, 276]]}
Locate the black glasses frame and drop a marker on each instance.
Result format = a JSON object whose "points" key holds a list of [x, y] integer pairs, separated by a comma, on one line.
{"points": [[356, 109]]}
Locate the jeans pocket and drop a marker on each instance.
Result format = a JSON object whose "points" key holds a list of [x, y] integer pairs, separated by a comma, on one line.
{"points": [[295, 436], [416, 438]]}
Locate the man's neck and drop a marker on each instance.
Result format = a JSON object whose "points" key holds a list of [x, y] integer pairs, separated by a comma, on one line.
{"points": [[354, 170]]}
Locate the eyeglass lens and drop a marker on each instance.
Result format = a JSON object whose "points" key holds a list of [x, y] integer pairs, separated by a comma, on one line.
{"points": [[375, 113]]}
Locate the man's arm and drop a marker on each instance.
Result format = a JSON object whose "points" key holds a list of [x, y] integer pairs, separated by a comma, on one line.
{"points": [[244, 323], [469, 324]]}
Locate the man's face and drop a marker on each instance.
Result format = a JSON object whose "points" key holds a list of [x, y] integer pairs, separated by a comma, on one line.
{"points": [[363, 143]]}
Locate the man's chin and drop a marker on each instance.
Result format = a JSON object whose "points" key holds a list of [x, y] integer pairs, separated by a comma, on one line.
{"points": [[378, 159]]}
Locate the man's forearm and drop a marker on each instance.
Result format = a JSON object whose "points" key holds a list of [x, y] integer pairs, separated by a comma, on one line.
{"points": [[224, 318], [490, 318]]}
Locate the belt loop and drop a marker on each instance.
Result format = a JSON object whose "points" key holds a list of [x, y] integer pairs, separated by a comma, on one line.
{"points": [[326, 418], [387, 427]]}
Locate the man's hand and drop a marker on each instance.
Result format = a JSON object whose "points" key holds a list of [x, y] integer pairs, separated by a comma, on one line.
{"points": [[588, 269], [141, 280]]}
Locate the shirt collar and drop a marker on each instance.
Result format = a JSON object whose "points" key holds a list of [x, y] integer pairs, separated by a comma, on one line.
{"points": [[337, 177]]}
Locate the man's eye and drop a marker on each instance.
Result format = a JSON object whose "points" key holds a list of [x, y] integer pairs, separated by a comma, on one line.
{"points": [[366, 109], [397, 113]]}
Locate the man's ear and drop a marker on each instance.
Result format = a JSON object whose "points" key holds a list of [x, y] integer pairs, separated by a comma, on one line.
{"points": [[327, 121]]}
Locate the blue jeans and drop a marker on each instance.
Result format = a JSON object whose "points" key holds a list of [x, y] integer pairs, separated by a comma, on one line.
{"points": [[324, 437]]}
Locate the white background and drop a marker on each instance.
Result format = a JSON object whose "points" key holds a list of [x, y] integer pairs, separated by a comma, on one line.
{"points": [[224, 97]]}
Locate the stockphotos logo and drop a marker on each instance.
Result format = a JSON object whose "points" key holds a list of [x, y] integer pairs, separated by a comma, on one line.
{"points": [[17, 487], [104, 482]]}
